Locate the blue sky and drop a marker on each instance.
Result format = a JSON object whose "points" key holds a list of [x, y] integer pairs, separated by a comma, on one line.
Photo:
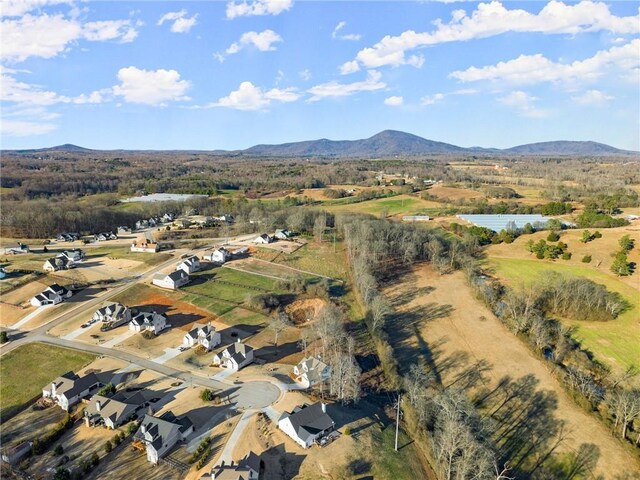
{"points": [[227, 75]]}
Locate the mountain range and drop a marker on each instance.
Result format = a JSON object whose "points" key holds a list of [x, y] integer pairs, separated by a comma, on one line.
{"points": [[392, 142]]}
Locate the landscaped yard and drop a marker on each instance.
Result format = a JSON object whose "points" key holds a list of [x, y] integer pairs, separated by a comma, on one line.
{"points": [[25, 370]]}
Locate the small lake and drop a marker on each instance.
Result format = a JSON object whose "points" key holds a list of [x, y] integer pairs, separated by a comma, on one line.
{"points": [[163, 197]]}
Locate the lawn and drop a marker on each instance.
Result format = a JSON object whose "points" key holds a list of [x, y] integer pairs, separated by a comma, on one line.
{"points": [[614, 342], [25, 370], [392, 465], [322, 259]]}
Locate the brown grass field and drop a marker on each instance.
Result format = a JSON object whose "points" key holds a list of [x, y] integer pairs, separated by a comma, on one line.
{"points": [[455, 329]]}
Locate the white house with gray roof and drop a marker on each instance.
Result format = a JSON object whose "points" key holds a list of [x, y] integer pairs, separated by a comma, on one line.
{"points": [[204, 335], [307, 423], [189, 265], [235, 356], [116, 410], [160, 434], [114, 314], [148, 321], [70, 388], [311, 371], [52, 295], [172, 281], [246, 469]]}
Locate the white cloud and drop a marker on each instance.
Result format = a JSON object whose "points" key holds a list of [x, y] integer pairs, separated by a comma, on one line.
{"points": [[16, 8], [250, 97], [263, 41], [432, 99], [181, 22], [524, 103], [109, 30], [150, 87], [46, 36], [336, 89], [354, 37], [22, 128], [21, 93], [592, 97], [349, 67], [531, 69], [305, 74], [490, 19], [394, 101], [257, 7]]}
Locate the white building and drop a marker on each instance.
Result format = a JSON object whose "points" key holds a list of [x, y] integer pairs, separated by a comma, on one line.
{"points": [[263, 239], [311, 371], [160, 434], [172, 281], [148, 321], [307, 424], [69, 389], [114, 314], [189, 265], [220, 255], [204, 335], [235, 356], [51, 296]]}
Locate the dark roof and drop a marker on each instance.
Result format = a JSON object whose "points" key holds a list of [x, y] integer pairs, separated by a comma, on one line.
{"points": [[309, 420], [177, 275]]}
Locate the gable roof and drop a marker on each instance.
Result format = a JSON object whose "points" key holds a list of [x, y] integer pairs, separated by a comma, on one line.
{"points": [[312, 367], [239, 349], [177, 275], [309, 420], [159, 428]]}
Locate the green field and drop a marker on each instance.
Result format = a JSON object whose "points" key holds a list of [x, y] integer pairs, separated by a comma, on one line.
{"points": [[321, 259], [614, 342], [25, 370], [401, 204]]}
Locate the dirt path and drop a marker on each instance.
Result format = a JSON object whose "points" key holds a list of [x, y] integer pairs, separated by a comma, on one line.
{"points": [[453, 330]]}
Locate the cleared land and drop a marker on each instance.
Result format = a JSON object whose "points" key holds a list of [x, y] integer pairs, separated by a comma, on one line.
{"points": [[397, 205], [615, 342], [43, 363], [442, 324]]}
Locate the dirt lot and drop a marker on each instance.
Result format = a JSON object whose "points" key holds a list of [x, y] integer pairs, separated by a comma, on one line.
{"points": [[452, 193], [446, 325], [305, 310]]}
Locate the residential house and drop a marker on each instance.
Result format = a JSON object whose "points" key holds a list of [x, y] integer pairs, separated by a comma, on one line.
{"points": [[246, 469], [15, 454], [103, 236], [235, 356], [68, 237], [52, 295], [263, 239], [226, 218], [15, 249], [311, 371], [114, 314], [160, 434], [123, 230], [75, 255], [167, 218], [283, 234], [141, 224], [59, 262], [69, 389], [307, 423], [220, 255], [172, 281], [3, 273], [189, 265], [204, 335], [145, 244], [116, 410], [148, 321]]}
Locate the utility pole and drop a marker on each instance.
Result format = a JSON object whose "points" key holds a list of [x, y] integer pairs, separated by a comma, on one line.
{"points": [[397, 421], [334, 239]]}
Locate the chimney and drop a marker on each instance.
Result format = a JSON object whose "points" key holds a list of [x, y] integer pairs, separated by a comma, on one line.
{"points": [[143, 429], [98, 405], [324, 407], [53, 389]]}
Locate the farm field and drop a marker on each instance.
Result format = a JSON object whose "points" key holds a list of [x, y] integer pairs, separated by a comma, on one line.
{"points": [[615, 342], [43, 362], [392, 206], [442, 324]]}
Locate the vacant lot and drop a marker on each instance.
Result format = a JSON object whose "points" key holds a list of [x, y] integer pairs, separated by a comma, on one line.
{"points": [[615, 342], [323, 258], [124, 252], [442, 324], [398, 205], [451, 194], [25, 370]]}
